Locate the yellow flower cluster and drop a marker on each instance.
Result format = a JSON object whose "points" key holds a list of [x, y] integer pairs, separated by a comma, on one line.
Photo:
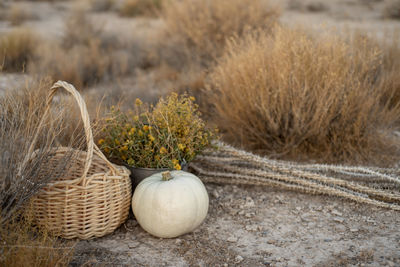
{"points": [[163, 136]]}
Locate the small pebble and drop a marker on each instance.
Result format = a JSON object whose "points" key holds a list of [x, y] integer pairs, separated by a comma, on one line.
{"points": [[337, 213], [304, 218], [251, 227], [278, 200], [238, 259], [338, 219], [249, 202], [178, 241], [353, 230], [215, 194], [133, 244], [232, 239]]}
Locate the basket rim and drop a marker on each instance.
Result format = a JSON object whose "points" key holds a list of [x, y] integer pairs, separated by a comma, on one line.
{"points": [[121, 170]]}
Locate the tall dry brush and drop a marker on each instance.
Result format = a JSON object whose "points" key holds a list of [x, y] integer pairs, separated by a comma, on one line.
{"points": [[302, 97], [16, 49], [23, 173], [23, 243], [132, 8], [391, 66], [196, 31], [83, 57], [199, 28]]}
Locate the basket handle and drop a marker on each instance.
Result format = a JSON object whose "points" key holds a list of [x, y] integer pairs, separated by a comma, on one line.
{"points": [[91, 146]]}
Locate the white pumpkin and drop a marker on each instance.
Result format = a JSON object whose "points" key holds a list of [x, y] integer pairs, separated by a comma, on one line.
{"points": [[170, 204]]}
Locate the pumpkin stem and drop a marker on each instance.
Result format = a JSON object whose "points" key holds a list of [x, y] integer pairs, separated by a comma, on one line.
{"points": [[166, 176]]}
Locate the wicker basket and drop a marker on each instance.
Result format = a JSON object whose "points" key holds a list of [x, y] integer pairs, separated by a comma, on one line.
{"points": [[94, 197]]}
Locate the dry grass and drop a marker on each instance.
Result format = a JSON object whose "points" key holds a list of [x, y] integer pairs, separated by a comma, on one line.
{"points": [[132, 8], [17, 14], [21, 110], [51, 1], [199, 28], [291, 95], [20, 113], [79, 29], [24, 244], [391, 63], [101, 5], [81, 65], [308, 5], [85, 56], [392, 9], [196, 32], [16, 49]]}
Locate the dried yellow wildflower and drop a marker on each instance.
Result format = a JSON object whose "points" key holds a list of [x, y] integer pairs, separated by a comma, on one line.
{"points": [[138, 102], [163, 150], [151, 138], [181, 147], [160, 136], [177, 167]]}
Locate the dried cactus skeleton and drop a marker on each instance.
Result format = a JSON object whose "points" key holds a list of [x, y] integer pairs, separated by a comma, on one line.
{"points": [[369, 185]]}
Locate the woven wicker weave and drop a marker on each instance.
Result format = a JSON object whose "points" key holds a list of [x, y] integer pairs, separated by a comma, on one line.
{"points": [[93, 199]]}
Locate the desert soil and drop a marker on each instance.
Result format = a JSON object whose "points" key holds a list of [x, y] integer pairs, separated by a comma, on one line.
{"points": [[247, 226], [253, 226]]}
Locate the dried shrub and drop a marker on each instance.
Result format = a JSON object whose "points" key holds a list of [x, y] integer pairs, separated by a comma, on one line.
{"points": [[197, 32], [23, 243], [292, 95], [198, 29], [16, 49], [51, 1], [391, 64], [3, 12], [101, 5], [132, 8], [392, 9], [18, 14], [21, 110], [312, 6], [84, 57], [21, 176], [80, 65], [80, 30]]}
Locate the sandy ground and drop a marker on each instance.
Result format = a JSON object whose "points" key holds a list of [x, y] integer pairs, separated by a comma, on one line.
{"points": [[246, 226], [253, 226]]}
